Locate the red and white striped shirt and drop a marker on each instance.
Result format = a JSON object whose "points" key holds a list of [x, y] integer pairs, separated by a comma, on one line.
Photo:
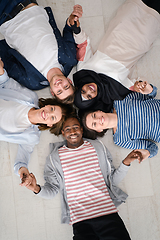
{"points": [[87, 193]]}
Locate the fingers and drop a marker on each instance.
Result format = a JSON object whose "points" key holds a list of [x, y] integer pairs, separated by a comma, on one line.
{"points": [[135, 154], [77, 11], [27, 180]]}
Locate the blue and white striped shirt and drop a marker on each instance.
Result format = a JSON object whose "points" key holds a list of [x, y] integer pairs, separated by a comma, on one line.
{"points": [[138, 122]]}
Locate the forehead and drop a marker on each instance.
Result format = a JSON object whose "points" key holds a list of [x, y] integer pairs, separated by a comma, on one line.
{"points": [[71, 122], [65, 93], [89, 120]]}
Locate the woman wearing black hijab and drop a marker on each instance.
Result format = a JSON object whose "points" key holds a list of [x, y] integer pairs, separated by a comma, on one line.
{"points": [[103, 77]]}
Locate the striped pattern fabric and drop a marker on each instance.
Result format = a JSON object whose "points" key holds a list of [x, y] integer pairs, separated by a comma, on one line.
{"points": [[138, 122], [87, 193]]}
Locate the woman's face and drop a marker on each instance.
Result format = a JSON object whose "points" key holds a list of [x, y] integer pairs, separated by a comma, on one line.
{"points": [[97, 121], [89, 91], [49, 115]]}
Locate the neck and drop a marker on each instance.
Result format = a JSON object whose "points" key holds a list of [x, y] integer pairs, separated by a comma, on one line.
{"points": [[31, 115], [76, 145], [112, 120], [52, 72]]}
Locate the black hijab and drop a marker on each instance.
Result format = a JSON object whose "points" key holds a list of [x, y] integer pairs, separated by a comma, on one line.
{"points": [[108, 90]]}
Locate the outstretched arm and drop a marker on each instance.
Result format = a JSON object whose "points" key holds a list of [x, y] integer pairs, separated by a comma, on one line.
{"points": [[52, 182], [140, 144], [138, 154], [73, 20]]}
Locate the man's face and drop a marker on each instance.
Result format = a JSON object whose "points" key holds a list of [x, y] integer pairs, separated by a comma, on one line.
{"points": [[61, 87], [72, 132]]}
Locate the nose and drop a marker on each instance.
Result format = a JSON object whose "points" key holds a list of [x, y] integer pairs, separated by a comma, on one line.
{"points": [[73, 130]]}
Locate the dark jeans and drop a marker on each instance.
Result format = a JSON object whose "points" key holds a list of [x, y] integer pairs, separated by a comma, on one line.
{"points": [[6, 6], [108, 227], [19, 68]]}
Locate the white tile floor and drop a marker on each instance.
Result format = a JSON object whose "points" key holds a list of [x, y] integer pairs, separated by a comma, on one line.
{"points": [[23, 215]]}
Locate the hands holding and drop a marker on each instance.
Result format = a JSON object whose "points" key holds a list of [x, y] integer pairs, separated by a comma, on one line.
{"points": [[138, 154], [28, 180], [1, 67], [143, 87], [73, 20]]}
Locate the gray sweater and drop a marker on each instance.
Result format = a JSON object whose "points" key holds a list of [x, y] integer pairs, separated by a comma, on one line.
{"points": [[54, 178]]}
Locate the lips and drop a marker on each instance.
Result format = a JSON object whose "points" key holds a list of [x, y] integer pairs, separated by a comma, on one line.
{"points": [[57, 81], [102, 120], [92, 88], [73, 137]]}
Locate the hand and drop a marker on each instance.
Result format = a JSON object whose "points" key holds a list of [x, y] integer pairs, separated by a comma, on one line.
{"points": [[1, 67], [138, 154], [24, 175], [75, 15], [143, 87], [144, 153], [33, 184]]}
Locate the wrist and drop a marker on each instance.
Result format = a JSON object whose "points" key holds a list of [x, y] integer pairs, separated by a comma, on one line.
{"points": [[21, 169], [37, 189], [125, 162]]}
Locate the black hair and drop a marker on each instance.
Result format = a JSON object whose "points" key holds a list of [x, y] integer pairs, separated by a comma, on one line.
{"points": [[87, 132]]}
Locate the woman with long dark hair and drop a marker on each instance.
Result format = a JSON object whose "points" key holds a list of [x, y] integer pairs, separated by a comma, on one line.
{"points": [[103, 77], [23, 115], [135, 121]]}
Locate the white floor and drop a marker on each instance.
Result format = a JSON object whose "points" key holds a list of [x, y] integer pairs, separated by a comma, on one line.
{"points": [[23, 215]]}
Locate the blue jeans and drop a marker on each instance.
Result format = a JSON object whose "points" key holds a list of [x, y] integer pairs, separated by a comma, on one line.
{"points": [[6, 7]]}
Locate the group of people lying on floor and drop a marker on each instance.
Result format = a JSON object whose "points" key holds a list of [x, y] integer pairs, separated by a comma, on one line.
{"points": [[36, 55]]}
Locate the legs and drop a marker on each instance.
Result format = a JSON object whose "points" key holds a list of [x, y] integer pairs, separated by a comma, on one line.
{"points": [[66, 44], [109, 227], [6, 7], [124, 41]]}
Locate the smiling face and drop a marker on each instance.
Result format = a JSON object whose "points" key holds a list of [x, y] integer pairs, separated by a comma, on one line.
{"points": [[48, 115], [97, 121], [72, 132], [61, 87], [89, 91]]}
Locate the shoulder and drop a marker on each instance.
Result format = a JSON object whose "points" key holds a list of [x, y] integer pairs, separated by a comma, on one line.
{"points": [[54, 147]]}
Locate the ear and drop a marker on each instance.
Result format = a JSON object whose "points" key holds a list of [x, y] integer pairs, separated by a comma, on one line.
{"points": [[100, 130], [49, 125], [69, 80], [62, 132], [52, 92]]}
